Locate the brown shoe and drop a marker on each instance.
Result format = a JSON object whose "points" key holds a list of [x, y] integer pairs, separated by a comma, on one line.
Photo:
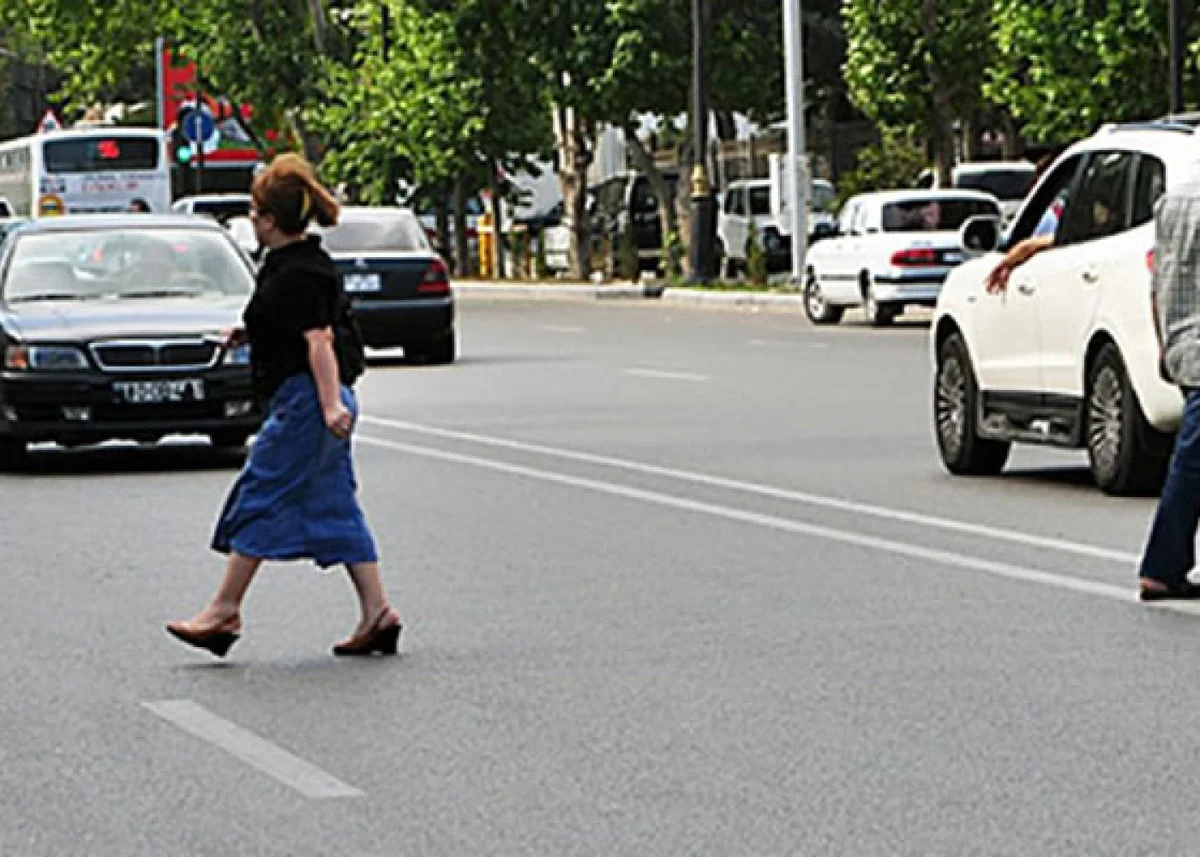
{"points": [[217, 640], [383, 636]]}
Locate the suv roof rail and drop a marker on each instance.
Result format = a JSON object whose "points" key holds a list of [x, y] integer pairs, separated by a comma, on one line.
{"points": [[1177, 124]]}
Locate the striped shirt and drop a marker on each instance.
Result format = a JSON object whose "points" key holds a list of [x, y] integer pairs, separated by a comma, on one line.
{"points": [[1176, 282]]}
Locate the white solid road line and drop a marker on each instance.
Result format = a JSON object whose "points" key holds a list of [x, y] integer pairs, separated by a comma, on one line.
{"points": [[562, 328], [945, 558], [773, 492], [665, 375], [257, 752]]}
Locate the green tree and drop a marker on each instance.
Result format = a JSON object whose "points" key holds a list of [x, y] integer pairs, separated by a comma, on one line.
{"points": [[919, 65], [1064, 68]]}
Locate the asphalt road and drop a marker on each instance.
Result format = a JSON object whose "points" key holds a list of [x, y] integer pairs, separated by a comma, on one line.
{"points": [[674, 582]]}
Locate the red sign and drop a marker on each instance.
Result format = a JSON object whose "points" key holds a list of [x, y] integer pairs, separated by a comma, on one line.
{"points": [[237, 145]]}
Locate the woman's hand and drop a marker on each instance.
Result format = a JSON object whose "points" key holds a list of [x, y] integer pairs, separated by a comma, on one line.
{"points": [[339, 421]]}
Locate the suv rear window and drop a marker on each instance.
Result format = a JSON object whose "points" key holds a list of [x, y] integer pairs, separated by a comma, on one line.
{"points": [[1150, 186]]}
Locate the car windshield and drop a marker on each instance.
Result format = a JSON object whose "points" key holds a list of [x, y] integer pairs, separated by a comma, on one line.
{"points": [[934, 215], [1008, 185], [126, 264], [389, 233], [760, 201], [823, 197]]}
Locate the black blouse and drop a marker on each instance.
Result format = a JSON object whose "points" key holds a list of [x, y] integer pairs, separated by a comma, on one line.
{"points": [[296, 292]]}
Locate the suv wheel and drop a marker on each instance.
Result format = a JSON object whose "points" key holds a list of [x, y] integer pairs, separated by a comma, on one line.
{"points": [[955, 414], [819, 310], [1127, 455]]}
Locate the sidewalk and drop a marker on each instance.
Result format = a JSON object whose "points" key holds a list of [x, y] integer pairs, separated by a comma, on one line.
{"points": [[706, 298]]}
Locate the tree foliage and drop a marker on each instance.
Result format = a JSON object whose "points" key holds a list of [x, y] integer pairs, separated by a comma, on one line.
{"points": [[917, 65], [1063, 68]]}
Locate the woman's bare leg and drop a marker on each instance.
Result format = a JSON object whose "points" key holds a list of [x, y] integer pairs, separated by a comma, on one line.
{"points": [[372, 599], [225, 609]]}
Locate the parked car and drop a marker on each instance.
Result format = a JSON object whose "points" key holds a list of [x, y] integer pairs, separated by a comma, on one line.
{"points": [[1008, 181], [1067, 356], [399, 285], [627, 201], [743, 203], [892, 249], [128, 345], [221, 207]]}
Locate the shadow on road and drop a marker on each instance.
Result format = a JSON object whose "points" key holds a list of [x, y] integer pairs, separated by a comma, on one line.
{"points": [[118, 460], [1077, 478]]}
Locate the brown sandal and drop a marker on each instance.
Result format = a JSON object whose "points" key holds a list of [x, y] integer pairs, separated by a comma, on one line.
{"points": [[383, 636]]}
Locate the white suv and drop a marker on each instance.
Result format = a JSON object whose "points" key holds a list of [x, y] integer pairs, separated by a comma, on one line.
{"points": [[1067, 354]]}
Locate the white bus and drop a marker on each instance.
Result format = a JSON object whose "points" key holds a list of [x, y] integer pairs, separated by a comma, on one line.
{"points": [[85, 171]]}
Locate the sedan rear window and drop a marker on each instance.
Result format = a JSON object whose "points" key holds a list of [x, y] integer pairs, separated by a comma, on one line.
{"points": [[392, 233], [934, 215], [128, 264]]}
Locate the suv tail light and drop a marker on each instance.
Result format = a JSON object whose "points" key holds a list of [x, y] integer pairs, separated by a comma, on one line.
{"points": [[914, 258], [437, 279]]}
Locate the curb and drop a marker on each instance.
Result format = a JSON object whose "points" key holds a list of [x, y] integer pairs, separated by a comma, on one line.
{"points": [[759, 301], [630, 291], [573, 291]]}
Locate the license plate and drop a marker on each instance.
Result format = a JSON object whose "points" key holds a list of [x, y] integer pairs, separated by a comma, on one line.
{"points": [[359, 283], [953, 258], [160, 392]]}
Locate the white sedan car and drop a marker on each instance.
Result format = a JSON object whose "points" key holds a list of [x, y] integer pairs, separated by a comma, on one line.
{"points": [[1066, 355], [892, 249]]}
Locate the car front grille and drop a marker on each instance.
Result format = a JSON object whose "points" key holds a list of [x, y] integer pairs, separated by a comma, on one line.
{"points": [[167, 355]]}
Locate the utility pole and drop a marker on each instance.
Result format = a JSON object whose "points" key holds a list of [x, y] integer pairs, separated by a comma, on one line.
{"points": [[1175, 29], [703, 210], [793, 50]]}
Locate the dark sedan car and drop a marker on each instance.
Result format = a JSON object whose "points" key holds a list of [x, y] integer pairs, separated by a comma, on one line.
{"points": [[399, 285], [110, 328]]}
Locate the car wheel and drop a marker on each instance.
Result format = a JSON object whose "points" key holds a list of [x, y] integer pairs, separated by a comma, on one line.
{"points": [[819, 310], [13, 454], [878, 315], [1127, 455], [955, 416], [229, 439]]}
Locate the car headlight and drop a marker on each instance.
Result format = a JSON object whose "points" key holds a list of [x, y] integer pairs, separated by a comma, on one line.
{"points": [[239, 356], [44, 358]]}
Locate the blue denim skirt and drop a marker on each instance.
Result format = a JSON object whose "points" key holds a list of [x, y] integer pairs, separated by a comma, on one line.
{"points": [[296, 498]]}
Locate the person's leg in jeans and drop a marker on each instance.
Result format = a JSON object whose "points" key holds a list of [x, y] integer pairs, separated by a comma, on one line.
{"points": [[1171, 550]]}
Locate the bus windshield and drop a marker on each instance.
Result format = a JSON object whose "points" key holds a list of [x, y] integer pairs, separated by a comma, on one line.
{"points": [[101, 155]]}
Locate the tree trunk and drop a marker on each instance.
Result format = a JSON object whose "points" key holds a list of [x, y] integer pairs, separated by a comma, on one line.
{"points": [[942, 119], [316, 15], [1013, 145], [574, 138], [497, 223], [683, 205], [441, 215], [643, 159], [462, 247]]}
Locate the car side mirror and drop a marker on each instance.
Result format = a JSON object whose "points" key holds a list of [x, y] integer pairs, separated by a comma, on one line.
{"points": [[980, 234]]}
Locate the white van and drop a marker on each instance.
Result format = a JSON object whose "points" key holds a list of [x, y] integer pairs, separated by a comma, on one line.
{"points": [[1008, 181]]}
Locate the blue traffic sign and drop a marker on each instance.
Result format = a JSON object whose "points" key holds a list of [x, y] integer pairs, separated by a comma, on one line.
{"points": [[197, 126]]}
